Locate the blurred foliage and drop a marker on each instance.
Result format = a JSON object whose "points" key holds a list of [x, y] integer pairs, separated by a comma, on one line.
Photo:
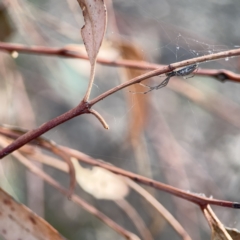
{"points": [[6, 28], [181, 143]]}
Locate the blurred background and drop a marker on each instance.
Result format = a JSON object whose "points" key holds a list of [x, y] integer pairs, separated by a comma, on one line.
{"points": [[185, 135]]}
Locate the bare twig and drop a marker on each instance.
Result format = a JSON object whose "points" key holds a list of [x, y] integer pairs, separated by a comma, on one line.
{"points": [[35, 133], [136, 219], [53, 162], [166, 69], [195, 198], [220, 74], [99, 117], [160, 208], [129, 210], [69, 52], [84, 107], [90, 84], [51, 146], [128, 235]]}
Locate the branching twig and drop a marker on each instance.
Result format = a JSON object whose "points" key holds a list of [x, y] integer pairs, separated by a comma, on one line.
{"points": [[99, 117], [69, 52], [166, 69], [195, 198], [128, 235], [52, 147], [35, 133], [84, 107], [53, 162], [160, 208], [218, 229], [136, 219]]}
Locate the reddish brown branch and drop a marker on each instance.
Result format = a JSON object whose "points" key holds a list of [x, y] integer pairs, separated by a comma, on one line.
{"points": [[69, 52], [35, 133], [220, 74], [50, 146], [195, 198], [166, 69], [84, 107], [91, 209]]}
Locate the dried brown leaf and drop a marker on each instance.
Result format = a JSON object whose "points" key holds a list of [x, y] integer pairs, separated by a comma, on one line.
{"points": [[234, 233], [95, 17], [19, 222], [219, 232]]}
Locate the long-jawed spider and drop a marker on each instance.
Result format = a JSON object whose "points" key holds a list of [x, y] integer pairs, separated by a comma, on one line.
{"points": [[181, 73]]}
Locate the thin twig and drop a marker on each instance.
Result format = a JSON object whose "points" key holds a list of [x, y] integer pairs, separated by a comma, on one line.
{"points": [[53, 162], [57, 164], [136, 218], [35, 133], [90, 82], [84, 107], [166, 69], [51, 146], [195, 198], [99, 117], [128, 235], [70, 52], [160, 208]]}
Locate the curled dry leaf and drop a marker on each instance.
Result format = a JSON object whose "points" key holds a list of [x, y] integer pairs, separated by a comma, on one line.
{"points": [[19, 222], [100, 183], [219, 232], [95, 17]]}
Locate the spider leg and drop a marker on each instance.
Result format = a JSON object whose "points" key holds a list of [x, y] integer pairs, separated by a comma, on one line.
{"points": [[144, 85], [161, 85], [143, 92], [164, 83]]}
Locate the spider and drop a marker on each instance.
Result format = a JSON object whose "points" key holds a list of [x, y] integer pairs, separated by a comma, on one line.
{"points": [[181, 73]]}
